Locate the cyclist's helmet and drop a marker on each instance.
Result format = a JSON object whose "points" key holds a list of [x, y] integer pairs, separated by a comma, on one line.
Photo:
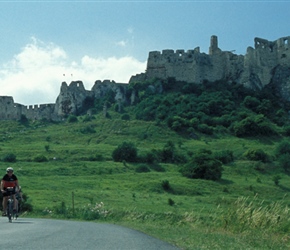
{"points": [[9, 169]]}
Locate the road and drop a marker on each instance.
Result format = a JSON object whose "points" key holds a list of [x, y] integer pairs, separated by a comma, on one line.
{"points": [[47, 234]]}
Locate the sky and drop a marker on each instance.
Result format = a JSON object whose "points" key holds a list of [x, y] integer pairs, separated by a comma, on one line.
{"points": [[45, 43]]}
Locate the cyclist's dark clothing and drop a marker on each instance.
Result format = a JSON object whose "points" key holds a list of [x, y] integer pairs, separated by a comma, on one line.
{"points": [[9, 181]]}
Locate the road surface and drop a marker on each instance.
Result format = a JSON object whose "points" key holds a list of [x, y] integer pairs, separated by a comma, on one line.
{"points": [[46, 234]]}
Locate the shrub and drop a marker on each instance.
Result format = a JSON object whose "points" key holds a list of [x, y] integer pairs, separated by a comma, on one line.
{"points": [[171, 202], [256, 155], [125, 152], [287, 130], [157, 167], [252, 126], [283, 161], [276, 179], [251, 103], [72, 119], [203, 165], [143, 168], [87, 130], [150, 157], [23, 120], [283, 148], [165, 185], [125, 117], [40, 158], [168, 152], [205, 129], [9, 158], [225, 156], [87, 118]]}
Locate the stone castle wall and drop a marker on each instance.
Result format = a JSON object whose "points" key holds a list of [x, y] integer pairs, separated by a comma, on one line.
{"points": [[253, 70], [267, 62], [13, 111]]}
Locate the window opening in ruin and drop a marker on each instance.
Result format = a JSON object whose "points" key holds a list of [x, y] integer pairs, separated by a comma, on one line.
{"points": [[271, 48]]}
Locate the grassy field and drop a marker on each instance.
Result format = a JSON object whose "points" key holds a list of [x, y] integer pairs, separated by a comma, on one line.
{"points": [[244, 210]]}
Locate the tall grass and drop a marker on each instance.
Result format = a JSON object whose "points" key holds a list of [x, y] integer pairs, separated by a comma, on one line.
{"points": [[244, 215]]}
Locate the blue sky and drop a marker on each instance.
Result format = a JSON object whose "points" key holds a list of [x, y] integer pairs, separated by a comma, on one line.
{"points": [[44, 43]]}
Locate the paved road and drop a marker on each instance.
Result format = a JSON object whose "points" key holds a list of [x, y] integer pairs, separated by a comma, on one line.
{"points": [[46, 234]]}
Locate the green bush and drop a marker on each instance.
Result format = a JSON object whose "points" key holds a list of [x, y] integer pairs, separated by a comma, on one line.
{"points": [[225, 156], [143, 168], [171, 202], [157, 167], [87, 118], [252, 126], [284, 162], [282, 148], [165, 185], [286, 130], [276, 179], [125, 152], [168, 152], [203, 165], [150, 157], [257, 155], [9, 158], [72, 119], [205, 129], [87, 130], [125, 117], [23, 120], [251, 103], [40, 158]]}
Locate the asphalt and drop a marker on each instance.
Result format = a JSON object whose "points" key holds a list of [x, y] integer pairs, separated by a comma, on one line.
{"points": [[48, 234]]}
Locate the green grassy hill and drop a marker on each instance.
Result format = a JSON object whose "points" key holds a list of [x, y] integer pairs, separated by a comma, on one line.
{"points": [[80, 180]]}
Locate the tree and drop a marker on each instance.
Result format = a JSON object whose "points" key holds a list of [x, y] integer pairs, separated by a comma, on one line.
{"points": [[125, 152]]}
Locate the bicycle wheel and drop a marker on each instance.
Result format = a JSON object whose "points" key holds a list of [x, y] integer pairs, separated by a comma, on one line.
{"points": [[9, 210]]}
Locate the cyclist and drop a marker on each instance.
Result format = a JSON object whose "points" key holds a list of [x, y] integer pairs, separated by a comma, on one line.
{"points": [[9, 180]]}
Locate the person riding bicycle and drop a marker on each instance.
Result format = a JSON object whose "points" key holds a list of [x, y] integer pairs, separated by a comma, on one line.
{"points": [[9, 180]]}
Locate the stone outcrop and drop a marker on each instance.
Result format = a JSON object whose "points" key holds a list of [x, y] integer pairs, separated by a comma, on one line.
{"points": [[267, 63]]}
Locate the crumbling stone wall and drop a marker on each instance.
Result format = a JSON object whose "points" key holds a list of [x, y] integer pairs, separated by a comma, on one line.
{"points": [[9, 110], [254, 70], [267, 63]]}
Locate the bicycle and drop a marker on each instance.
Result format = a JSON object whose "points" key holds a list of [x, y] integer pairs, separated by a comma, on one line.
{"points": [[11, 214]]}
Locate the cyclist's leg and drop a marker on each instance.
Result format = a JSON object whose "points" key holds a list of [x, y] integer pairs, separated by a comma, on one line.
{"points": [[4, 204], [10, 210], [15, 203]]}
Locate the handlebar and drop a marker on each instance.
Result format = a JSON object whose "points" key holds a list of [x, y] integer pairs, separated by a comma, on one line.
{"points": [[10, 190]]}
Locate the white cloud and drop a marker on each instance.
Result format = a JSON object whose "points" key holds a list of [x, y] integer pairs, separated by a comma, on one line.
{"points": [[122, 43], [34, 76], [130, 30]]}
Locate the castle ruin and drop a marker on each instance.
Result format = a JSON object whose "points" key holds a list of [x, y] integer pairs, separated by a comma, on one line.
{"points": [[267, 63]]}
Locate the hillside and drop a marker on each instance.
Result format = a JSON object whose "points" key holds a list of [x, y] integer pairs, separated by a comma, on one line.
{"points": [[67, 169]]}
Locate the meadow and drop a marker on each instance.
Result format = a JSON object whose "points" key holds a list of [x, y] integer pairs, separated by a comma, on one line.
{"points": [[66, 171]]}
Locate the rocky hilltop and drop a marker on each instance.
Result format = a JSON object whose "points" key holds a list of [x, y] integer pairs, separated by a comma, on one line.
{"points": [[268, 62]]}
